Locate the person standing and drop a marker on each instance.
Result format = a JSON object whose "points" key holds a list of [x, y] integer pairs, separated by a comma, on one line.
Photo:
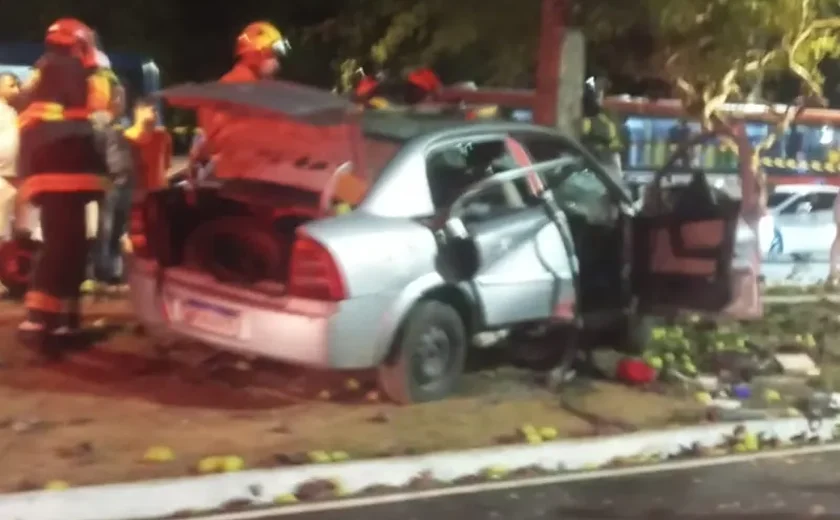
{"points": [[259, 48], [600, 134], [9, 143], [61, 169], [116, 204]]}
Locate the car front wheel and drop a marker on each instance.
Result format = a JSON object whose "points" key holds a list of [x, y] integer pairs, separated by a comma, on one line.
{"points": [[428, 356]]}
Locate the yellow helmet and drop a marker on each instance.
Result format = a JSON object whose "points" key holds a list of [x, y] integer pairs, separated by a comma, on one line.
{"points": [[262, 38]]}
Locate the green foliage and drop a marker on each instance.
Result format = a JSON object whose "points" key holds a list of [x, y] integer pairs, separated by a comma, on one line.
{"points": [[496, 38], [713, 51], [710, 51]]}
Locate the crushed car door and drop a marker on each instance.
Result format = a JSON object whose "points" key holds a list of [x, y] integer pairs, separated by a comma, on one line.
{"points": [[511, 278], [693, 250]]}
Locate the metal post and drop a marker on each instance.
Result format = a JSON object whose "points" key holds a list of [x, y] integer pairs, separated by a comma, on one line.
{"points": [[552, 29]]}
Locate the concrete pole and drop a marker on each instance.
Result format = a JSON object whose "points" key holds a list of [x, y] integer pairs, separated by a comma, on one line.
{"points": [[552, 28]]}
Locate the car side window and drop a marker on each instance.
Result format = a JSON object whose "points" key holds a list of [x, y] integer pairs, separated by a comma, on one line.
{"points": [[452, 169], [583, 191], [823, 201], [793, 206], [809, 203]]}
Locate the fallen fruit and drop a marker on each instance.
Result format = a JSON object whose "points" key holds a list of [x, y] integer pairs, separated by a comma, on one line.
{"points": [[656, 362], [772, 396], [495, 473], [56, 485], [352, 384], [533, 438], [159, 454], [232, 463], [751, 442], [318, 457], [339, 456], [212, 464], [528, 429], [704, 397], [548, 433], [287, 498]]}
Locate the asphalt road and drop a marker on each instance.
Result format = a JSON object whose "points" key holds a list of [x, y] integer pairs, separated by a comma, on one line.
{"points": [[768, 489]]}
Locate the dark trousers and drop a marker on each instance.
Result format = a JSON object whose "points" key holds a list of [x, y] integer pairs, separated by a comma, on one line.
{"points": [[59, 270], [114, 213]]}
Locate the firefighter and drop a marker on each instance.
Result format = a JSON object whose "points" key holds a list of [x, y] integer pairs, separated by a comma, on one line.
{"points": [[61, 166], [600, 133], [259, 48]]}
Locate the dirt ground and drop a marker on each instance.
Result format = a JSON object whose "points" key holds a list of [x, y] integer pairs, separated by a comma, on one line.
{"points": [[91, 418]]}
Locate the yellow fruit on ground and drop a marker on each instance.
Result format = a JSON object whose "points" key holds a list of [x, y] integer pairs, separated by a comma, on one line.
{"points": [[286, 498], [56, 485], [159, 454], [339, 456], [533, 438], [528, 429], [352, 384], [703, 397], [548, 433], [495, 473], [772, 396], [750, 442], [210, 464], [318, 457], [232, 463]]}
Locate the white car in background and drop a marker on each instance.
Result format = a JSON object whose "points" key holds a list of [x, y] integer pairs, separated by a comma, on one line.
{"points": [[800, 221]]}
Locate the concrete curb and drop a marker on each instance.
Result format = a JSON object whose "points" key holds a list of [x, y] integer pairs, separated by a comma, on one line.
{"points": [[163, 498]]}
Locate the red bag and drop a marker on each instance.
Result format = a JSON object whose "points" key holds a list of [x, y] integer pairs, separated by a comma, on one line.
{"points": [[635, 372]]}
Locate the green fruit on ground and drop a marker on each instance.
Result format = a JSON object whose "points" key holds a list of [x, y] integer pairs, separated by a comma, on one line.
{"points": [[655, 362]]}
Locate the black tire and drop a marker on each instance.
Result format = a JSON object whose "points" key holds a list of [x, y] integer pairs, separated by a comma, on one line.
{"points": [[433, 329]]}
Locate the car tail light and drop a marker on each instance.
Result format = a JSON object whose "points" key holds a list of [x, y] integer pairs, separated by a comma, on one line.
{"points": [[137, 231], [313, 273]]}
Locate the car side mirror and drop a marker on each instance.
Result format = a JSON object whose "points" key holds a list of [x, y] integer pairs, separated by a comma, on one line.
{"points": [[803, 208], [459, 258]]}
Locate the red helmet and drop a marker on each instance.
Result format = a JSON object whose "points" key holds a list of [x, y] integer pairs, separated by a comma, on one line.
{"points": [[73, 33], [262, 39], [425, 79], [366, 87]]}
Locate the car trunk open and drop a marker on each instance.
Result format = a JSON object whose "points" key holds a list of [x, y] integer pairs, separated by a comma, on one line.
{"points": [[284, 155]]}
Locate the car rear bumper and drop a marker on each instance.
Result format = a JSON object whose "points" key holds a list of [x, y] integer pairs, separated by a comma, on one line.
{"points": [[294, 330]]}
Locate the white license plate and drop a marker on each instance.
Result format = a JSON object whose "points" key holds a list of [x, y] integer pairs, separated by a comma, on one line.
{"points": [[212, 318]]}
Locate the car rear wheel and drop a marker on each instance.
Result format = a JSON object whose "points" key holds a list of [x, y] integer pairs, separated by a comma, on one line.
{"points": [[428, 356]]}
